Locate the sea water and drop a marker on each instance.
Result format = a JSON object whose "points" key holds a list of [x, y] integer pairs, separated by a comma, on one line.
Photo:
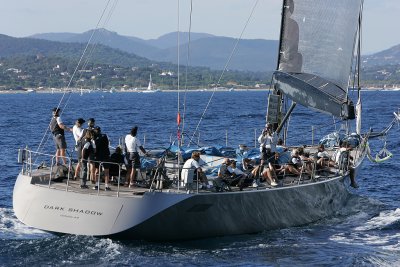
{"points": [[365, 233]]}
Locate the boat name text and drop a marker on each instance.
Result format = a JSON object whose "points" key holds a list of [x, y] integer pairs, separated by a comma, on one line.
{"points": [[73, 210]]}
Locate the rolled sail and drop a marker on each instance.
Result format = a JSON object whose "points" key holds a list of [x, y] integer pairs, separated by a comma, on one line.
{"points": [[316, 52]]}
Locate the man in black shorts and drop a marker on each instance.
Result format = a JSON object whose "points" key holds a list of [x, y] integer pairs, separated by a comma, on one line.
{"points": [[102, 155], [57, 128]]}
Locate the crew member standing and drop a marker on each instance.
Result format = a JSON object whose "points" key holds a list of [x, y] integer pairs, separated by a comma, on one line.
{"points": [[57, 128], [77, 131], [268, 140], [132, 146]]}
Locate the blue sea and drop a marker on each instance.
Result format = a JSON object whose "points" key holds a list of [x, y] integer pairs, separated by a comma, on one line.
{"points": [[364, 233]]}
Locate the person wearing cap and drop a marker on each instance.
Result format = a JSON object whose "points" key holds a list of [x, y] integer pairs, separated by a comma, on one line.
{"points": [[77, 131], [57, 128], [91, 123]]}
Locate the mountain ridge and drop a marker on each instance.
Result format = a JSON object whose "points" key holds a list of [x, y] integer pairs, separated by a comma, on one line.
{"points": [[256, 58], [208, 50]]}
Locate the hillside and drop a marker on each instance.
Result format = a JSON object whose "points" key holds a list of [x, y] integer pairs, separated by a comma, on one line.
{"points": [[214, 52], [28, 62], [10, 46], [32, 60], [389, 56], [205, 50]]}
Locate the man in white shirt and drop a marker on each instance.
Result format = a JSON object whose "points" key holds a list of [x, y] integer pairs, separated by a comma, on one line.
{"points": [[132, 146], [323, 158], [267, 139], [77, 131], [192, 169]]}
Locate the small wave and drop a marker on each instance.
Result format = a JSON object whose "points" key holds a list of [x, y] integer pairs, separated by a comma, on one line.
{"points": [[375, 232], [387, 242], [12, 228], [386, 220]]}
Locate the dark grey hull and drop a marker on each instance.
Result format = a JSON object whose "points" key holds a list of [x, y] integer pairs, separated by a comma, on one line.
{"points": [[220, 214]]}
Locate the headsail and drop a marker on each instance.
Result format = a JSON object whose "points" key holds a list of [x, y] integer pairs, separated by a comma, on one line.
{"points": [[316, 53]]}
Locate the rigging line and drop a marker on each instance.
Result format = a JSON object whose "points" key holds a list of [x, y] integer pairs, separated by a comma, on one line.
{"points": [[87, 48], [94, 41], [178, 56], [368, 96], [223, 71], [187, 65], [95, 36], [46, 134], [87, 45], [178, 67], [178, 84], [359, 46]]}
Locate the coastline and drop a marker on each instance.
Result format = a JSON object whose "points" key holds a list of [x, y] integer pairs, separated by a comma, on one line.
{"points": [[87, 91]]}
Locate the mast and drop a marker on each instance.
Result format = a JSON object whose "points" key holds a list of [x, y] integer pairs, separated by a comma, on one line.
{"points": [[359, 105], [275, 99], [281, 34], [150, 86]]}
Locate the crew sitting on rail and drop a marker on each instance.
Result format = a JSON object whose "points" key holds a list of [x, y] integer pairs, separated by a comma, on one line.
{"points": [[306, 160], [247, 165], [220, 182], [285, 168], [191, 171], [238, 177], [323, 158], [344, 161]]}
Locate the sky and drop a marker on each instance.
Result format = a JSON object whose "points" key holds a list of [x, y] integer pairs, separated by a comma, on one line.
{"points": [[149, 19]]}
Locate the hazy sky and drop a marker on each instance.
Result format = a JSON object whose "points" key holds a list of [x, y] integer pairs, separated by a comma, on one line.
{"points": [[149, 19]]}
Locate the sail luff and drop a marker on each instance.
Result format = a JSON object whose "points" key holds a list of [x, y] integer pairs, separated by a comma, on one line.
{"points": [[359, 105], [281, 33]]}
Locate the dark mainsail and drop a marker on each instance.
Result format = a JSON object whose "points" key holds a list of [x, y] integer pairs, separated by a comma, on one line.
{"points": [[316, 52]]}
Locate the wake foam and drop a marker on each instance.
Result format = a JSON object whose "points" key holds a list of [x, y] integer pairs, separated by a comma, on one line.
{"points": [[386, 220], [378, 231], [12, 228]]}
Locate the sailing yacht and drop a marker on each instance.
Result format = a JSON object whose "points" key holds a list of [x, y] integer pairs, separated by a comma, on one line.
{"points": [[317, 41], [150, 88]]}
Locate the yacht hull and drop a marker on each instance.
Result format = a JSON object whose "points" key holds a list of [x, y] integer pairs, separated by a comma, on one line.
{"points": [[176, 216]]}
